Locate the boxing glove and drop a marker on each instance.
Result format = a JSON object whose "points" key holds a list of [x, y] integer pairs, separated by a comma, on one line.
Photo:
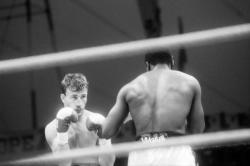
{"points": [[94, 123], [64, 117]]}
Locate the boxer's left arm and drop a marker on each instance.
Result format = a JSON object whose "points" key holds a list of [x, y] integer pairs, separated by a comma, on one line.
{"points": [[116, 115], [106, 160], [94, 123]]}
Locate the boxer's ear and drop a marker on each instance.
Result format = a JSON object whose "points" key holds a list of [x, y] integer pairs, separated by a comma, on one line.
{"points": [[62, 96], [147, 66]]}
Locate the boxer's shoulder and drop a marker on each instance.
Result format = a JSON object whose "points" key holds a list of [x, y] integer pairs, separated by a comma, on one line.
{"points": [[94, 115]]}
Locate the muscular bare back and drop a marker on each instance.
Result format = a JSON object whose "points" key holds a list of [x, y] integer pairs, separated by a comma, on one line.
{"points": [[162, 100]]}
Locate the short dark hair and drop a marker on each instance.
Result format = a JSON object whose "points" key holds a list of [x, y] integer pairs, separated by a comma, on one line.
{"points": [[74, 82], [160, 57]]}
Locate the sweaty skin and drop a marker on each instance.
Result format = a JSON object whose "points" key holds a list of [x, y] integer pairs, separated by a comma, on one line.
{"points": [[158, 100]]}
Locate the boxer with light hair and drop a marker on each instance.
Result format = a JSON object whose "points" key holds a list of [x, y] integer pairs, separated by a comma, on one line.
{"points": [[68, 130], [162, 103]]}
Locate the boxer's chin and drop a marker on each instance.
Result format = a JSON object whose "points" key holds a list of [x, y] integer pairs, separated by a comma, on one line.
{"points": [[79, 112]]}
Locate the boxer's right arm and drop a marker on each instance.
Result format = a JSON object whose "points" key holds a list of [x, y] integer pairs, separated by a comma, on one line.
{"points": [[57, 133], [51, 134], [196, 122]]}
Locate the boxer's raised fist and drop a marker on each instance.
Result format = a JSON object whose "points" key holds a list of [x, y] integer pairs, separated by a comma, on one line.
{"points": [[94, 123], [64, 117]]}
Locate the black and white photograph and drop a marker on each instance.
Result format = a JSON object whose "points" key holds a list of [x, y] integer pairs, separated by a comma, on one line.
{"points": [[124, 82]]}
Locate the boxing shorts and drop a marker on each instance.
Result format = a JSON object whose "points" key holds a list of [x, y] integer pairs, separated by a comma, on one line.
{"points": [[164, 156]]}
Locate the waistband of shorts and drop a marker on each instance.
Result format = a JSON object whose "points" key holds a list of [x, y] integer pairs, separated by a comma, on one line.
{"points": [[85, 164], [164, 134]]}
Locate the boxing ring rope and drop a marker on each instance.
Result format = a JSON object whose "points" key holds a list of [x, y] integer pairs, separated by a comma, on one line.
{"points": [[196, 141], [125, 49]]}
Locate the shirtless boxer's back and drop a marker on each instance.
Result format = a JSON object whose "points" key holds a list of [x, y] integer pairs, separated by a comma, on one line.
{"points": [[162, 103], [163, 100]]}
